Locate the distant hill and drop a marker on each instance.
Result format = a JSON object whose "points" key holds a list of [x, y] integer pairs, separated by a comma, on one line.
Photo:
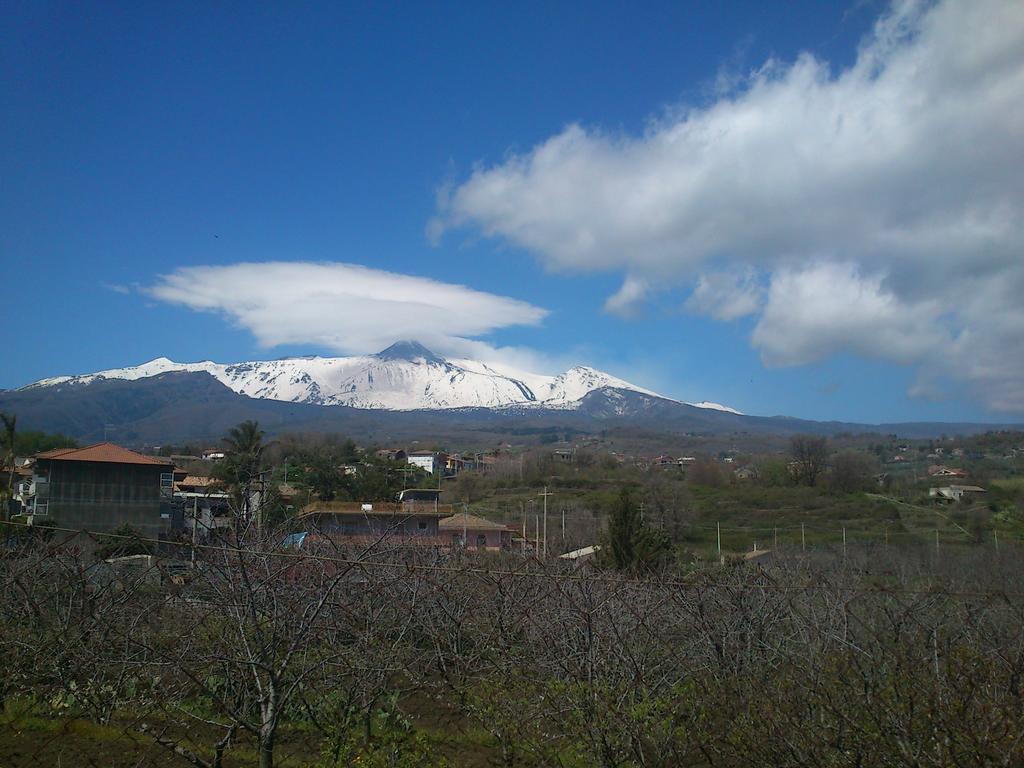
{"points": [[188, 406]]}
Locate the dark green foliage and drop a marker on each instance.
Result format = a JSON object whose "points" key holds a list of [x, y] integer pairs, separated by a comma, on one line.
{"points": [[7, 455], [322, 474], [31, 442], [623, 530], [852, 471], [239, 471], [178, 450], [630, 544], [121, 542], [243, 462], [652, 549], [335, 469]]}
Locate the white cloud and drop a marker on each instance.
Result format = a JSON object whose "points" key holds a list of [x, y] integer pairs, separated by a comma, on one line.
{"points": [[346, 308], [905, 168], [726, 296], [814, 311], [627, 300]]}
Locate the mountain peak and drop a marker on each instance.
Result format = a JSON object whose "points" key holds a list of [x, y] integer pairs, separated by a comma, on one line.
{"points": [[408, 350], [405, 376]]}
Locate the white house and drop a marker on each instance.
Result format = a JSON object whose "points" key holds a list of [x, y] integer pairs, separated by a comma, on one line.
{"points": [[954, 492], [427, 460]]}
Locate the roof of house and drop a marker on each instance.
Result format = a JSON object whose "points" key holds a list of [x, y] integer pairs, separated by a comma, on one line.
{"points": [[106, 453], [197, 480], [472, 522], [577, 554]]}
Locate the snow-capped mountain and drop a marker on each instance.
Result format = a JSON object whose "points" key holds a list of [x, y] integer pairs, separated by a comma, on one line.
{"points": [[405, 376]]}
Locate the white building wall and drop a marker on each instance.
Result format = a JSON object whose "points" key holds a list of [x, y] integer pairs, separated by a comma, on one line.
{"points": [[428, 463]]}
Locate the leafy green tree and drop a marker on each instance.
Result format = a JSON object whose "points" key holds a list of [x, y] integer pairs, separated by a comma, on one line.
{"points": [[773, 473], [381, 480], [321, 470], [30, 442], [852, 471], [241, 466], [624, 527], [245, 448], [630, 544], [652, 549]]}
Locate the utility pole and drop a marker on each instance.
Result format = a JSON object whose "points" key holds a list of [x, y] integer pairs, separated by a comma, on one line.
{"points": [[719, 528], [775, 538], [522, 511], [563, 526], [803, 539], [844, 542], [996, 534], [545, 495], [936, 543]]}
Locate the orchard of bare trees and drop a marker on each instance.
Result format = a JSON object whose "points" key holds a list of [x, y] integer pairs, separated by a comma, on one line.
{"points": [[384, 655]]}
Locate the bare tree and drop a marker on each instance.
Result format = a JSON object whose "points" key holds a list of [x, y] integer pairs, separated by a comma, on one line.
{"points": [[810, 455]]}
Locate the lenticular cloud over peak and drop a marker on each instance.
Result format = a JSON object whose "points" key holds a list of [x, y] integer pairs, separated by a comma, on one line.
{"points": [[890, 188], [345, 308]]}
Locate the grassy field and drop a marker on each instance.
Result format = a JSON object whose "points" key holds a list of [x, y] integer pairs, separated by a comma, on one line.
{"points": [[748, 515], [33, 734]]}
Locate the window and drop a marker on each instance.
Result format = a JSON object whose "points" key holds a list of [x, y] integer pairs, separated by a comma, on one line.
{"points": [[166, 485], [423, 525], [481, 540], [42, 509]]}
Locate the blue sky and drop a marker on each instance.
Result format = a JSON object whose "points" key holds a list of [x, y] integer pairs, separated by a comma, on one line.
{"points": [[512, 149]]}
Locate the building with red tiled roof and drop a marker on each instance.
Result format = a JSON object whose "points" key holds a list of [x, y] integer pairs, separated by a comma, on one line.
{"points": [[101, 487], [104, 453]]}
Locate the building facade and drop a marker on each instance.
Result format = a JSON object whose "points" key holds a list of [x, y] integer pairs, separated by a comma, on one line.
{"points": [[472, 532], [101, 487], [414, 516], [429, 461]]}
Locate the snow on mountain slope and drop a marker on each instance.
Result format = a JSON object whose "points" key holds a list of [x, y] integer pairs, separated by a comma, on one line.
{"points": [[716, 407], [405, 376], [563, 390]]}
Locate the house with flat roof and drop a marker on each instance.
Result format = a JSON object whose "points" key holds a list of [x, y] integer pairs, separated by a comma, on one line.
{"points": [[954, 492], [414, 516], [205, 506], [100, 487]]}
